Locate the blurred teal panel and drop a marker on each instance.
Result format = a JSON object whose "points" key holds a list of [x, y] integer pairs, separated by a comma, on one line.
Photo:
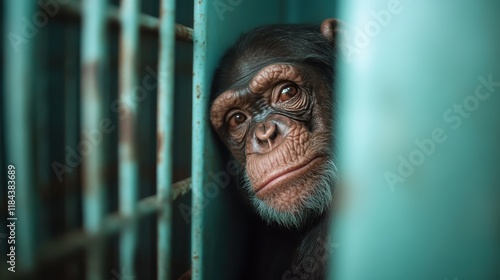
{"points": [[19, 101], [419, 128]]}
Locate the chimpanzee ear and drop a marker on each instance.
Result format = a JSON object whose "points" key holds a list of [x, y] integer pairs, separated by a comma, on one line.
{"points": [[330, 27]]}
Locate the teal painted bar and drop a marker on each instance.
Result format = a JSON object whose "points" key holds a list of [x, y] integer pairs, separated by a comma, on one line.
{"points": [[200, 101], [127, 146], [18, 94], [419, 88], [165, 125], [93, 94]]}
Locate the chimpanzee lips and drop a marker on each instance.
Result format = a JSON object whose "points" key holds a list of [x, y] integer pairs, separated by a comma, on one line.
{"points": [[279, 177]]}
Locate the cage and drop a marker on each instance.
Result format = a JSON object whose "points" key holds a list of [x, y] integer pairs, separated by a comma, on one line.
{"points": [[105, 128], [117, 174]]}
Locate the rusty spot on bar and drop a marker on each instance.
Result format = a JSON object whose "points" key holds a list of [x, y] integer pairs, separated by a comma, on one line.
{"points": [[198, 91], [159, 147], [127, 126], [89, 77], [84, 177], [127, 133]]}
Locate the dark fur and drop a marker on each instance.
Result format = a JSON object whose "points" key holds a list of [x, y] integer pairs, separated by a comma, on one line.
{"points": [[268, 45]]}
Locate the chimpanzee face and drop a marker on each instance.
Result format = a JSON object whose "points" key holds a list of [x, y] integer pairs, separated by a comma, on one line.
{"points": [[274, 112]]}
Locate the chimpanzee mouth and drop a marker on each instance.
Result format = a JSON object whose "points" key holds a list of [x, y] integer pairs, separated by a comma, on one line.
{"points": [[279, 177]]}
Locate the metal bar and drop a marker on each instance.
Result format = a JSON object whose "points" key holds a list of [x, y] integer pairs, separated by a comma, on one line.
{"points": [[18, 108], [127, 153], [165, 127], [200, 100], [147, 23], [93, 90], [183, 33], [115, 222], [146, 206]]}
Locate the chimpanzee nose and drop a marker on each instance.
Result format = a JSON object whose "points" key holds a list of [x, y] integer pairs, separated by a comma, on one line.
{"points": [[266, 131], [267, 135]]}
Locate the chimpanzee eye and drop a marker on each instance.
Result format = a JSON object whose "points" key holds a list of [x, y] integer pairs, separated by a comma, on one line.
{"points": [[236, 119], [288, 92]]}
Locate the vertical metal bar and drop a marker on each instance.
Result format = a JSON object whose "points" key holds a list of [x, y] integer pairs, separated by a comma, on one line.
{"points": [[200, 99], [127, 153], [18, 105], [94, 73], [165, 124]]}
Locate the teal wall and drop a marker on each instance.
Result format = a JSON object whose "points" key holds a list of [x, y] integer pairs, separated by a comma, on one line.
{"points": [[314, 11], [421, 177]]}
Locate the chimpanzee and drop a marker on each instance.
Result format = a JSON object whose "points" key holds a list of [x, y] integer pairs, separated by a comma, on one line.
{"points": [[273, 107]]}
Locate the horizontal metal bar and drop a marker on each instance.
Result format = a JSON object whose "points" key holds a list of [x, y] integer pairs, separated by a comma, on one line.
{"points": [[146, 206], [183, 33], [146, 22], [181, 188], [78, 239]]}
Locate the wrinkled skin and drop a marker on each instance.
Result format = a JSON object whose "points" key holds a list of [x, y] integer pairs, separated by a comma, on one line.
{"points": [[274, 113]]}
